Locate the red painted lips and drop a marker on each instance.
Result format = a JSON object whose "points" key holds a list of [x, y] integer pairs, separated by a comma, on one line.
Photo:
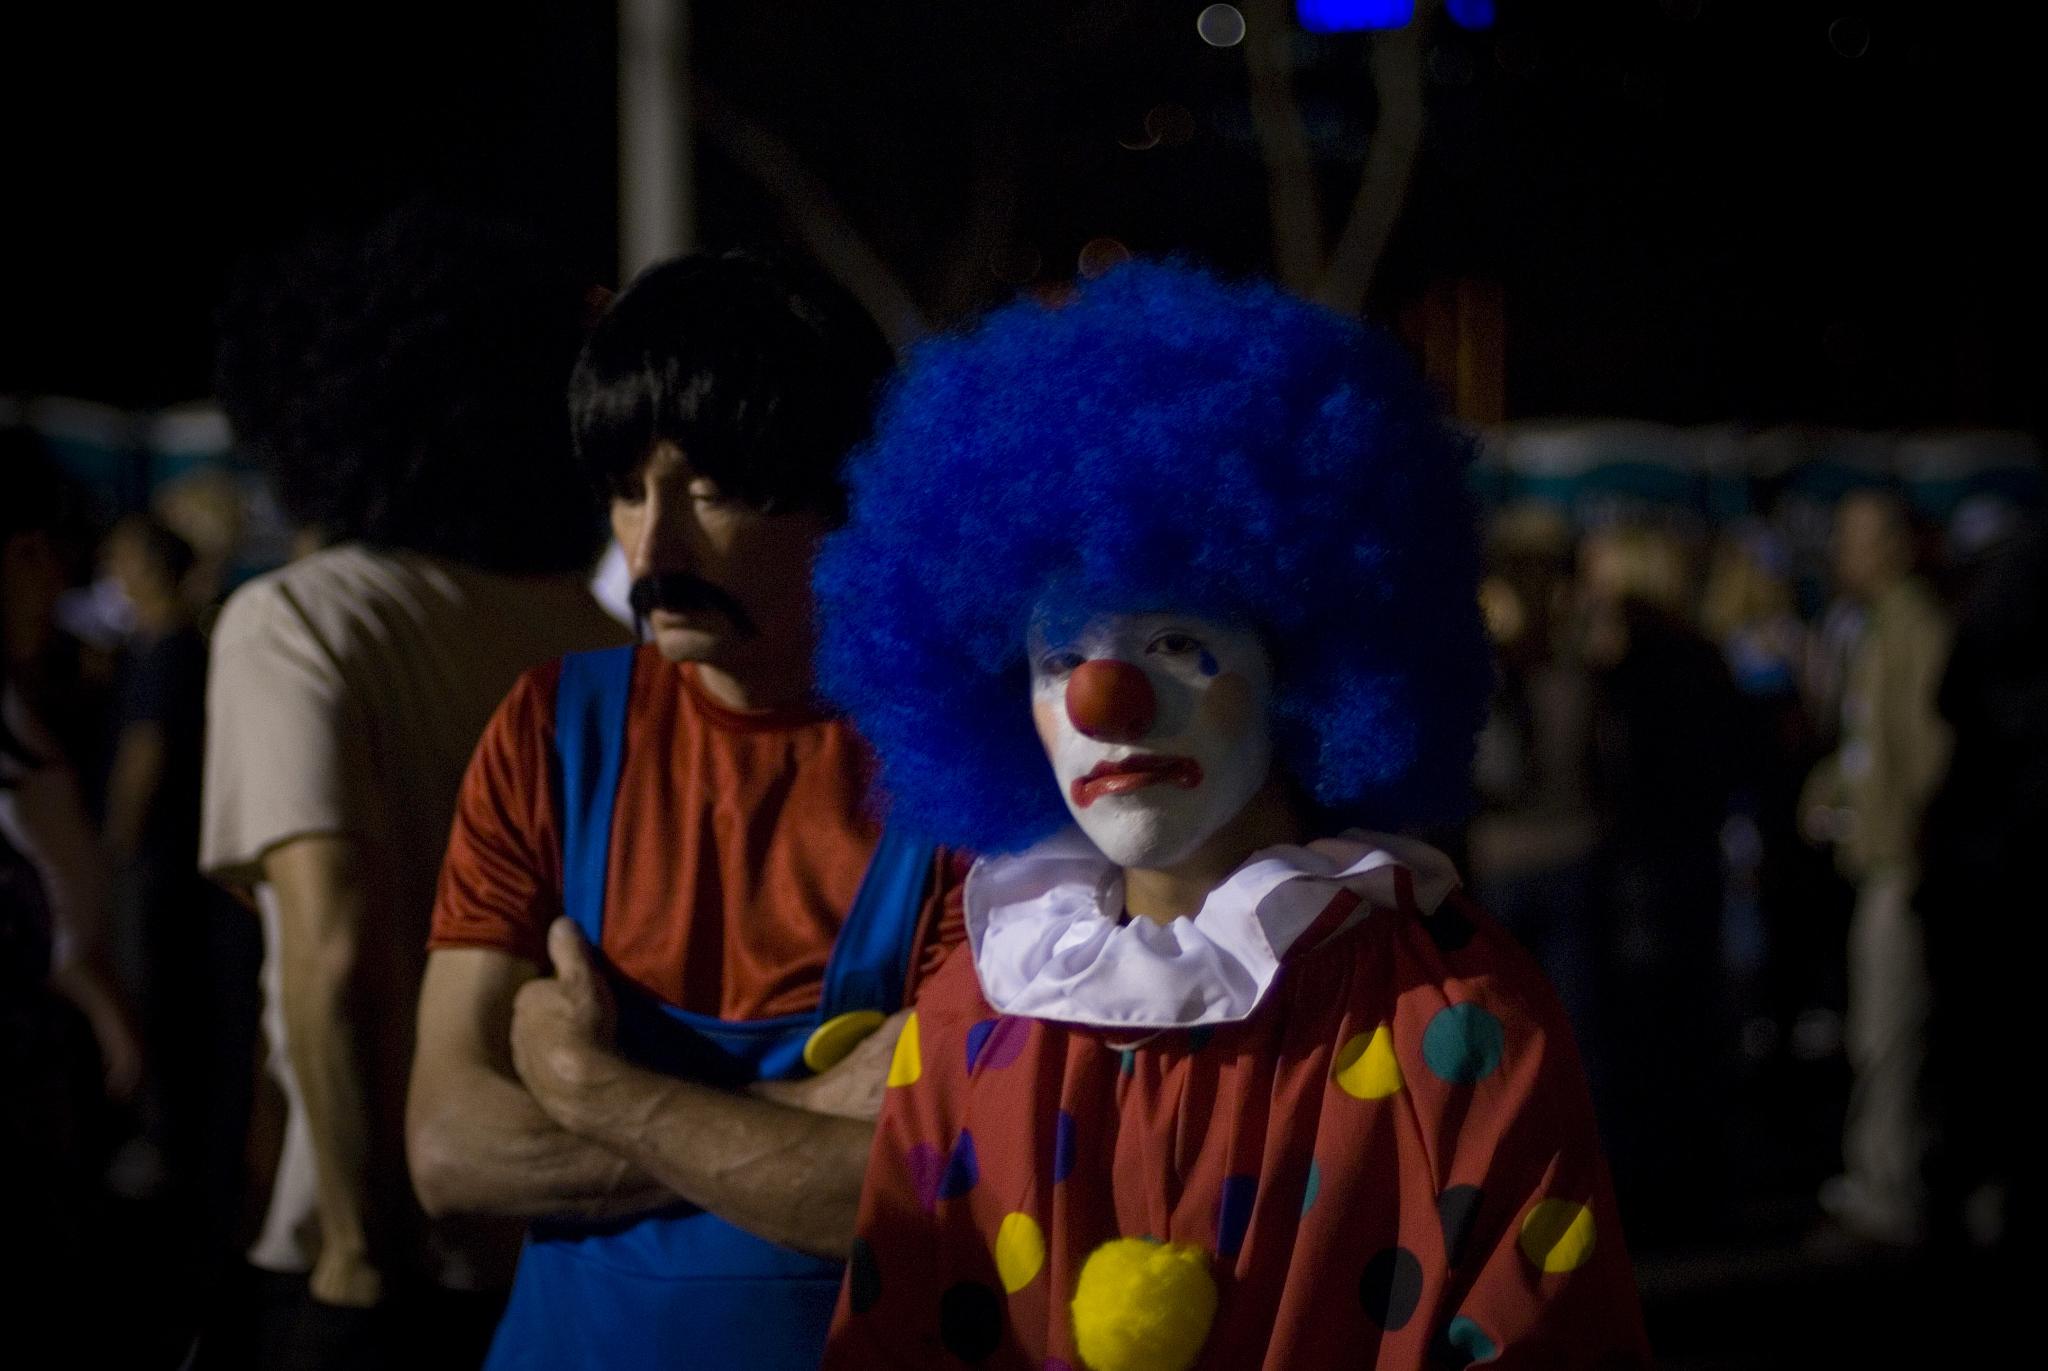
{"points": [[1127, 774]]}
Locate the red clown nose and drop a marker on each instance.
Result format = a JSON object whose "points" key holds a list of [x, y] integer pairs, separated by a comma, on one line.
{"points": [[1111, 701]]}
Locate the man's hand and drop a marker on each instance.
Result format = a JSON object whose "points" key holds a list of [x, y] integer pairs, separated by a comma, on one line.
{"points": [[789, 1175], [564, 1029], [94, 990], [853, 1088], [480, 1143]]}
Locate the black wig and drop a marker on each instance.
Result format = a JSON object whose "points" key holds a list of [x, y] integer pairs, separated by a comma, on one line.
{"points": [[761, 373]]}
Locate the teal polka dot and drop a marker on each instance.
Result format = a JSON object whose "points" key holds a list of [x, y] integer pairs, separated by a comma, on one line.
{"points": [[1314, 1186], [1463, 1044], [1464, 1343]]}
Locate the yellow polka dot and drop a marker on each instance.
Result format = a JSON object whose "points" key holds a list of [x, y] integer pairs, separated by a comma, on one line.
{"points": [[1557, 1235], [1366, 1067], [1020, 1251], [908, 1063], [833, 1039]]}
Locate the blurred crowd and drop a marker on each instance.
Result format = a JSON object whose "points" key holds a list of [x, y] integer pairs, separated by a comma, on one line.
{"points": [[1767, 845], [1755, 848], [132, 993], [223, 807]]}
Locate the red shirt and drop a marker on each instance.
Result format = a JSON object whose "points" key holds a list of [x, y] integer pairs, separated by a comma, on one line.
{"points": [[738, 844]]}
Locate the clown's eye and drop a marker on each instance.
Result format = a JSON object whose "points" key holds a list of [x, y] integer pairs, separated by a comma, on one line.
{"points": [[1059, 663], [1174, 644]]}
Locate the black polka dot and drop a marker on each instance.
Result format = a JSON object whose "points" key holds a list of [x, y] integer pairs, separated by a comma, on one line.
{"points": [[1391, 1287], [970, 1321], [1458, 1207], [1448, 927], [863, 1277]]}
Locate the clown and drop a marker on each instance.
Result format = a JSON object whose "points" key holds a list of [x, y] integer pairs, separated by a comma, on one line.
{"points": [[1164, 601]]}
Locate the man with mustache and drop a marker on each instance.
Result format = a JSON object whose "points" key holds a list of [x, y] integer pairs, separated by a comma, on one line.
{"points": [[678, 833]]}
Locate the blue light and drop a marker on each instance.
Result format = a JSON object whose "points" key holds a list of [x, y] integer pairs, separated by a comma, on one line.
{"points": [[1345, 16], [1470, 14]]}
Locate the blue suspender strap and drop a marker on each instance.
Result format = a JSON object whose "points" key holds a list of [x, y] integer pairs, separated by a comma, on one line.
{"points": [[682, 1282], [590, 740], [872, 954]]}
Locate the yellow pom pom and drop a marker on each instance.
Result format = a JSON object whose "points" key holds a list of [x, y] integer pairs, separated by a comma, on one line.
{"points": [[1143, 1306]]}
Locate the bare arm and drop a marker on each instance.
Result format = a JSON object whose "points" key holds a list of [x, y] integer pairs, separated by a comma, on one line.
{"points": [[60, 842], [477, 1141], [784, 1173], [333, 1021], [787, 1175]]}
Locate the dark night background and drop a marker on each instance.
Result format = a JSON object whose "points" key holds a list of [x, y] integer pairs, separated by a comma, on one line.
{"points": [[1760, 210]]}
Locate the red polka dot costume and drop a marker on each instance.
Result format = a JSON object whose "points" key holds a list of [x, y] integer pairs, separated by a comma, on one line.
{"points": [[1377, 1128], [1331, 1119]]}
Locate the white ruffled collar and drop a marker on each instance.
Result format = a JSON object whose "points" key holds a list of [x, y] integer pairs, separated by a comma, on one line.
{"points": [[1049, 941]]}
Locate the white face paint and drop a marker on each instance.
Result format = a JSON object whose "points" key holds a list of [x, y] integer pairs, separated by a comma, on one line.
{"points": [[1157, 727]]}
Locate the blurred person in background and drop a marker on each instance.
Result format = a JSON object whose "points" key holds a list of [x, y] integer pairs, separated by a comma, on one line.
{"points": [[60, 667], [1530, 848], [1665, 746], [188, 953], [1869, 799], [67, 1040], [1781, 887], [162, 682], [1747, 607], [403, 388], [1983, 833], [152, 824], [206, 509]]}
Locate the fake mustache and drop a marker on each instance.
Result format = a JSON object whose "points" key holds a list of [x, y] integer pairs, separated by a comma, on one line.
{"points": [[681, 593]]}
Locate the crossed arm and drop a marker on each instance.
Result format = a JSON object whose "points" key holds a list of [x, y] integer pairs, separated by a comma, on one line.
{"points": [[520, 1104]]}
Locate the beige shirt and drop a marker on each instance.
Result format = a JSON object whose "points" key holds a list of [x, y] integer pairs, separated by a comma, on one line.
{"points": [[346, 694]]}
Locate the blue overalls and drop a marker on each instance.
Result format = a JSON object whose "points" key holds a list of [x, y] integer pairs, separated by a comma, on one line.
{"points": [[682, 1287]]}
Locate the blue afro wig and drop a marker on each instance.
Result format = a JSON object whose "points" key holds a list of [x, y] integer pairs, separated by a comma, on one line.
{"points": [[1164, 441]]}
